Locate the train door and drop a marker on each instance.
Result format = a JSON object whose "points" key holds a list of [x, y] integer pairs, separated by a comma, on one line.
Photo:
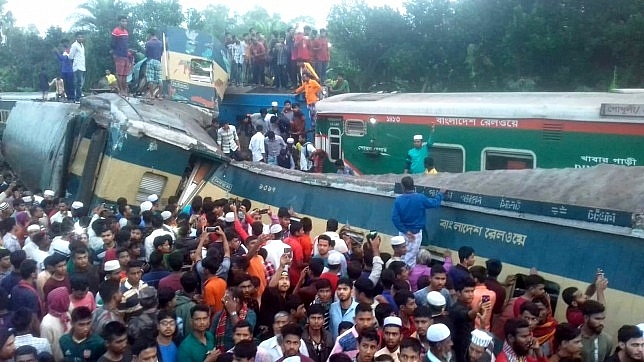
{"points": [[194, 178], [493, 158]]}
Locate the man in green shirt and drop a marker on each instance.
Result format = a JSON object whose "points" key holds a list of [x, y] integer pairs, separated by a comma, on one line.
{"points": [[339, 86], [199, 346], [80, 345], [415, 161]]}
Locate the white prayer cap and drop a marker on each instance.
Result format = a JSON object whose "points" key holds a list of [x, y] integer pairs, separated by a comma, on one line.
{"points": [[290, 140], [77, 205], [418, 137], [230, 217], [27, 199], [38, 199], [166, 215], [146, 206], [481, 338], [112, 265], [49, 193], [274, 104], [437, 332], [436, 299], [122, 222], [153, 198], [641, 327], [33, 228], [392, 321], [397, 240], [275, 228]]}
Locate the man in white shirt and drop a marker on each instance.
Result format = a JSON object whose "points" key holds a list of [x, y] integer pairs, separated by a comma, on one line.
{"points": [[306, 151], [62, 213], [256, 145], [77, 54], [228, 140]]}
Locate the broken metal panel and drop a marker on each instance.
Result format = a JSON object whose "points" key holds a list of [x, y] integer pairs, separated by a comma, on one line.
{"points": [[36, 143]]}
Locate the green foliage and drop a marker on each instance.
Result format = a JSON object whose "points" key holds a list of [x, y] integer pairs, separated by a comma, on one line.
{"points": [[436, 45]]}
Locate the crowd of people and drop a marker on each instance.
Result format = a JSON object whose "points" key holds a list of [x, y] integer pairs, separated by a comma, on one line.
{"points": [[219, 280]]}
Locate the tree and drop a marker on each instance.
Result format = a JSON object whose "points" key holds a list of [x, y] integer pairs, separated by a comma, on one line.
{"points": [[156, 15]]}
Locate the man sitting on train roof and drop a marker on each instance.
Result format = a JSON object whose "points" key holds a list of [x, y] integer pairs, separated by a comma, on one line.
{"points": [[415, 161]]}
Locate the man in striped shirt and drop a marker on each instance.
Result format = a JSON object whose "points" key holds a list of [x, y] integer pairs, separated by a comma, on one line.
{"points": [[228, 141]]}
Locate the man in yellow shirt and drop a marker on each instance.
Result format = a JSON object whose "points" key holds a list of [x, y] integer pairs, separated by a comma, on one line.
{"points": [[111, 79], [311, 88]]}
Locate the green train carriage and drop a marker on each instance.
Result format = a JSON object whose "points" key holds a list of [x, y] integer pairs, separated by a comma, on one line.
{"points": [[372, 132]]}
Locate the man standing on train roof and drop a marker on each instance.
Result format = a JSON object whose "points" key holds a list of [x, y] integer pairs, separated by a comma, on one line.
{"points": [[415, 161], [408, 216]]}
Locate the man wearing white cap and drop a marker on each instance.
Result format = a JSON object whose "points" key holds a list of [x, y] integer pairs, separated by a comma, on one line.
{"points": [[154, 199], [275, 247], [31, 247], [399, 244], [409, 217], [415, 161], [256, 145], [440, 343], [392, 335], [479, 351]]}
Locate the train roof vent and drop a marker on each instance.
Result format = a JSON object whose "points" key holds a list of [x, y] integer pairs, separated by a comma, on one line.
{"points": [[552, 131]]}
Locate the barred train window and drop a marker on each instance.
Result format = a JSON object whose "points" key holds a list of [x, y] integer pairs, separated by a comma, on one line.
{"points": [[448, 157], [150, 184], [355, 127]]}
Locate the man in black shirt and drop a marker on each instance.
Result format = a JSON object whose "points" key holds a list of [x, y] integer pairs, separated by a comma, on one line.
{"points": [[462, 317]]}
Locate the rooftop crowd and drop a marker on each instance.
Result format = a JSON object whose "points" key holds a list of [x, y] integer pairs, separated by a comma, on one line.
{"points": [[219, 280]]}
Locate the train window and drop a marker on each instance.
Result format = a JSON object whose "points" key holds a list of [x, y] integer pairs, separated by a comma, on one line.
{"points": [[335, 139], [201, 70], [355, 127], [151, 183], [4, 115], [507, 159], [448, 157]]}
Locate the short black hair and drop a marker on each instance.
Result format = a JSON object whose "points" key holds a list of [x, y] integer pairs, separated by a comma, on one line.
{"points": [[291, 329], [27, 268], [113, 330], [370, 334], [199, 308], [479, 273], [627, 332], [438, 269], [532, 308], [513, 325], [422, 311], [107, 289], [175, 261], [121, 17], [26, 350], [568, 295], [565, 332], [242, 323], [17, 257], [78, 281], [332, 225], [365, 285], [402, 297], [245, 349], [363, 307], [465, 252], [533, 280], [413, 343], [407, 183], [80, 314], [464, 283], [21, 319], [382, 311], [591, 307], [315, 309], [494, 267]]}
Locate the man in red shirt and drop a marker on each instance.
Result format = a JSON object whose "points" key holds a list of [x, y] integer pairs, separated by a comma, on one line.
{"points": [[519, 341], [297, 255], [321, 57], [332, 274]]}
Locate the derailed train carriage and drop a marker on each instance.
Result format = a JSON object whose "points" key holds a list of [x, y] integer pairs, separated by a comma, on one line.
{"points": [[567, 222]]}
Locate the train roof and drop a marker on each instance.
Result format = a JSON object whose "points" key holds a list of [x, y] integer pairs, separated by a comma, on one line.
{"points": [[579, 106], [168, 121]]}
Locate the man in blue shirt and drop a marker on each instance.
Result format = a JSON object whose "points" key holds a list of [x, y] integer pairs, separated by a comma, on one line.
{"points": [[415, 161], [153, 51], [344, 309], [408, 216]]}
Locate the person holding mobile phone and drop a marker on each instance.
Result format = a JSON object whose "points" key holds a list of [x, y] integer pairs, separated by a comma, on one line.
{"points": [[484, 298]]}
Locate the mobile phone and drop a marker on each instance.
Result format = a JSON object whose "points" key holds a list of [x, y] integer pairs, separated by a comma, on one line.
{"points": [[212, 229], [372, 234], [263, 211], [485, 298], [287, 251]]}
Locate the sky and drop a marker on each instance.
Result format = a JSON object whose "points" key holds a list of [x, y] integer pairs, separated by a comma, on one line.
{"points": [[45, 13]]}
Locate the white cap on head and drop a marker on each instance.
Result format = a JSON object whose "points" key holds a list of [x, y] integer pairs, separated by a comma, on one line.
{"points": [[27, 199], [38, 199], [146, 206], [290, 140], [437, 332], [392, 321], [112, 265], [418, 137], [481, 338], [275, 228], [49, 193], [274, 104], [230, 217], [335, 259], [77, 205], [33, 228], [292, 359], [166, 215], [123, 222], [4, 206], [436, 299], [641, 327], [397, 240], [153, 198]]}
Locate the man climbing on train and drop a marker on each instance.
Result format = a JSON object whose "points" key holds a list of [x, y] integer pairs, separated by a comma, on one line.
{"points": [[415, 161]]}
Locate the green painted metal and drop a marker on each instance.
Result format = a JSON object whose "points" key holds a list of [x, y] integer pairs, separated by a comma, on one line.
{"points": [[383, 147]]}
